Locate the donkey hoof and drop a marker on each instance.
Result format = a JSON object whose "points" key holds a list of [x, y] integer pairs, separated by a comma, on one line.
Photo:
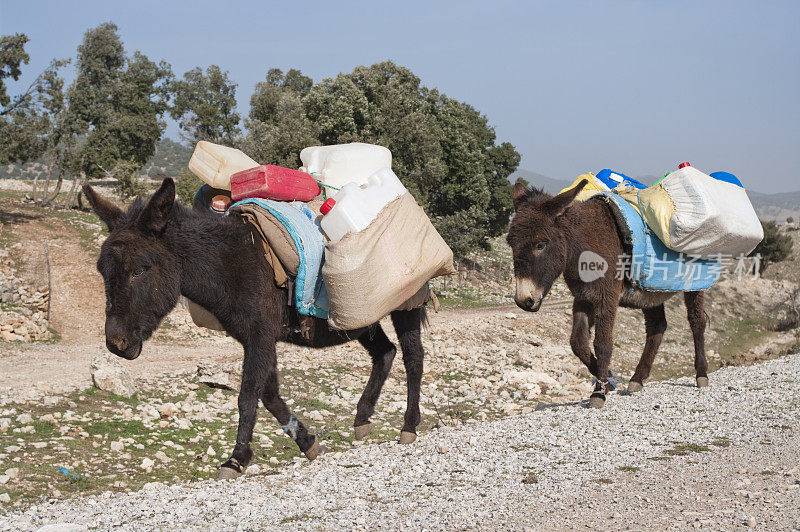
{"points": [[634, 387], [597, 400], [315, 450], [407, 437], [227, 473], [702, 382], [362, 431]]}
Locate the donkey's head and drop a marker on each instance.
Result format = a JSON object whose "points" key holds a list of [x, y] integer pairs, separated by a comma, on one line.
{"points": [[141, 274], [538, 243]]}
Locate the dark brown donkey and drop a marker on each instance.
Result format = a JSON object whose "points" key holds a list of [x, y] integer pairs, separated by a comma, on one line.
{"points": [[547, 236], [158, 250]]}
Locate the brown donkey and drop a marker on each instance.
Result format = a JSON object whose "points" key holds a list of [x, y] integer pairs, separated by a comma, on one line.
{"points": [[158, 250], [547, 236]]}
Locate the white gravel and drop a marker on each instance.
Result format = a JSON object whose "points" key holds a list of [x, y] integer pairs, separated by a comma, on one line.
{"points": [[558, 467]]}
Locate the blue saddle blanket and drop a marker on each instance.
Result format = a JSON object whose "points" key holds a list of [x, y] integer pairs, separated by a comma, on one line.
{"points": [[310, 294], [653, 266]]}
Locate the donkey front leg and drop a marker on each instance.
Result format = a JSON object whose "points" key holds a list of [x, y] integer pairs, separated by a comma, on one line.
{"points": [[603, 347], [655, 323], [259, 356], [408, 326], [697, 321], [582, 321], [382, 352]]}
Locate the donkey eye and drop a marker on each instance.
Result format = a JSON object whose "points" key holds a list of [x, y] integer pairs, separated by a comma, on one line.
{"points": [[540, 246], [138, 272]]}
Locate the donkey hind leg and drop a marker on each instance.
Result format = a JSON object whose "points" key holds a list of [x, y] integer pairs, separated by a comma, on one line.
{"points": [[582, 321], [259, 360], [606, 313], [408, 326], [382, 352], [695, 311], [655, 323]]}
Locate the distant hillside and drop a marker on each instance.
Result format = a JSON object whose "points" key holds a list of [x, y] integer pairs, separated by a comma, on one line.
{"points": [[550, 185], [169, 159], [776, 207]]}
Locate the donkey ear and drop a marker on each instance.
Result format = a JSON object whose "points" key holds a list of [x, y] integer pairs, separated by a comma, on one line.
{"points": [[520, 194], [557, 205], [109, 213], [156, 213]]}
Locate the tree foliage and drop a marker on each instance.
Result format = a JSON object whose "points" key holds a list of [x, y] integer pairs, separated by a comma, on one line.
{"points": [[105, 123], [775, 247], [443, 150], [278, 127], [205, 106]]}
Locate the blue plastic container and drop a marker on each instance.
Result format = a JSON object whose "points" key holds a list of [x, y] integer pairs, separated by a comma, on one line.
{"points": [[614, 179], [727, 177]]}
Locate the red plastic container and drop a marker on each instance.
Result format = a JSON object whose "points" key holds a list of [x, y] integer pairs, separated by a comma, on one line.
{"points": [[273, 182]]}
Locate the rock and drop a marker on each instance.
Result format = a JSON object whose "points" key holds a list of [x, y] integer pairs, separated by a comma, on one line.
{"points": [[108, 374], [441, 449], [12, 472], [25, 419], [117, 446], [511, 316], [210, 451], [162, 456], [4, 425], [4, 479], [167, 410], [252, 470], [228, 376], [5, 497], [147, 463]]}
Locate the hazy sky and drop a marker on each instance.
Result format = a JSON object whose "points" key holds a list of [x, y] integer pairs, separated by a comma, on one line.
{"points": [[576, 86]]}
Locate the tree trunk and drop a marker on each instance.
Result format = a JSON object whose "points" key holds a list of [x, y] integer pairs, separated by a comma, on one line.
{"points": [[56, 192], [47, 181]]}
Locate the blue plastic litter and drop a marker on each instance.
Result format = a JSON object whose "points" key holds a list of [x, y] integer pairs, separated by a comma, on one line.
{"points": [[612, 178], [66, 472]]}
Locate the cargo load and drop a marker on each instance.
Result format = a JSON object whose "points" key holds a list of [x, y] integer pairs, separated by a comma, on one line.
{"points": [[696, 214], [372, 272], [353, 208], [340, 164], [215, 164], [274, 183]]}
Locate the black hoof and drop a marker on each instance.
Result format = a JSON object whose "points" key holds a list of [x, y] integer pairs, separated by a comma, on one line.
{"points": [[597, 400]]}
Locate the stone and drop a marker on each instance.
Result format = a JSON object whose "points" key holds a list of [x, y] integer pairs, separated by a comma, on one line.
{"points": [[108, 374], [147, 463], [5, 497], [24, 418], [4, 479], [167, 410], [227, 376], [441, 449], [117, 446], [12, 472], [162, 456]]}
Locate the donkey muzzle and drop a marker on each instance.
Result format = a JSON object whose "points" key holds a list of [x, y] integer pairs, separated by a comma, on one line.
{"points": [[528, 297]]}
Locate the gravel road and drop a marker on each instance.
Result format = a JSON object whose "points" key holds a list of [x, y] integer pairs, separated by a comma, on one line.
{"points": [[672, 456]]}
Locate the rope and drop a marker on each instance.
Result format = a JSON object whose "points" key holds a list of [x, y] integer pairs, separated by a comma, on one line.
{"points": [[323, 186]]}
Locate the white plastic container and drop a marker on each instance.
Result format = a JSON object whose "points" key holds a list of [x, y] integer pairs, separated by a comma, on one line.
{"points": [[696, 214], [215, 164], [353, 208], [340, 164]]}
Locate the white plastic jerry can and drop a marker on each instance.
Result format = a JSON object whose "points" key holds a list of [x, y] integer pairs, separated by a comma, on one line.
{"points": [[354, 207], [215, 164], [340, 164]]}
